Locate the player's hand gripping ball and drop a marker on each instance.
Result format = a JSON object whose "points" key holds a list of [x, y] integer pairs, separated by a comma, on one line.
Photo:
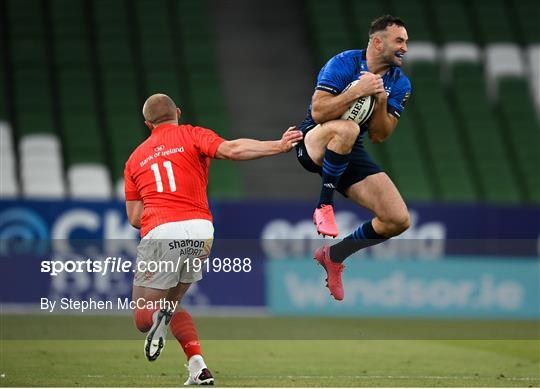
{"points": [[360, 110]]}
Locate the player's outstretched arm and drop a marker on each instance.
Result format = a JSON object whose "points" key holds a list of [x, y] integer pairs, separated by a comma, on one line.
{"points": [[246, 149]]}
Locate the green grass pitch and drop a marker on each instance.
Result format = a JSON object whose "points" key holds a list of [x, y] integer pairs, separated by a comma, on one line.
{"points": [[41, 351]]}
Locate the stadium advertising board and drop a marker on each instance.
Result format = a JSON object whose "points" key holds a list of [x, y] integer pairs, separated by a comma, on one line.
{"points": [[53, 245], [264, 219], [458, 288], [292, 220], [280, 230]]}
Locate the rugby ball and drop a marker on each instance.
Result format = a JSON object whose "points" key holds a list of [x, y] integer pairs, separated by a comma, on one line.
{"points": [[360, 110]]}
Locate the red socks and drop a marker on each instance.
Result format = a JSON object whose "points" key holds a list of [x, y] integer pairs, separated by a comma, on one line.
{"points": [[183, 329], [143, 319]]}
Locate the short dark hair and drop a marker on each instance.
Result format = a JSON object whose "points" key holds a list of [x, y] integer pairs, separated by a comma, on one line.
{"points": [[384, 21]]}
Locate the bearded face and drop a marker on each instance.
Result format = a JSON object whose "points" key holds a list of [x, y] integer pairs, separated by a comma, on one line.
{"points": [[393, 45]]}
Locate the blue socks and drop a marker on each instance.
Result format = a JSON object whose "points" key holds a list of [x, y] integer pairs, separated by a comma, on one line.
{"points": [[364, 236], [334, 165]]}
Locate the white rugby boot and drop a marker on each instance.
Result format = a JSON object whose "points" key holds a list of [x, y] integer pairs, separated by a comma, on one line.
{"points": [[198, 373], [155, 341]]}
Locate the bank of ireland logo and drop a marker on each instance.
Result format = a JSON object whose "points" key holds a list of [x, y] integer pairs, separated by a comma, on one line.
{"points": [[22, 231]]}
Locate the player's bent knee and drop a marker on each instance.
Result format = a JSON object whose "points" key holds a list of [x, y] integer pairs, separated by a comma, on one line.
{"points": [[347, 131], [401, 222], [350, 129], [397, 224]]}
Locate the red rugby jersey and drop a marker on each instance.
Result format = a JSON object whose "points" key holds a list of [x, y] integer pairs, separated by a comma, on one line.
{"points": [[169, 173]]}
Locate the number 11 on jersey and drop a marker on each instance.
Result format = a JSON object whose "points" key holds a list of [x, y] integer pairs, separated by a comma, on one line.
{"points": [[170, 175]]}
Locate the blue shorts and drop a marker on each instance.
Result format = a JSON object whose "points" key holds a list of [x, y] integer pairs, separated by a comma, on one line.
{"points": [[360, 164]]}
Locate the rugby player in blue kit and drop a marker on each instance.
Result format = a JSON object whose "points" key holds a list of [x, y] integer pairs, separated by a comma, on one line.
{"points": [[333, 147]]}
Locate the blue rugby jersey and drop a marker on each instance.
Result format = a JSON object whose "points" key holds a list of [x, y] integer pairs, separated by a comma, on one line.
{"points": [[345, 67]]}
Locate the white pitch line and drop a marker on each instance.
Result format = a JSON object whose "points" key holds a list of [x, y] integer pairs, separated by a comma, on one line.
{"points": [[402, 377], [405, 377]]}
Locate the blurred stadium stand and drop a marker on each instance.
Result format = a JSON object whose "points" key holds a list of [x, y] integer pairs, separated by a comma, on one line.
{"points": [[77, 73], [267, 69], [74, 75], [7, 162], [41, 166]]}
